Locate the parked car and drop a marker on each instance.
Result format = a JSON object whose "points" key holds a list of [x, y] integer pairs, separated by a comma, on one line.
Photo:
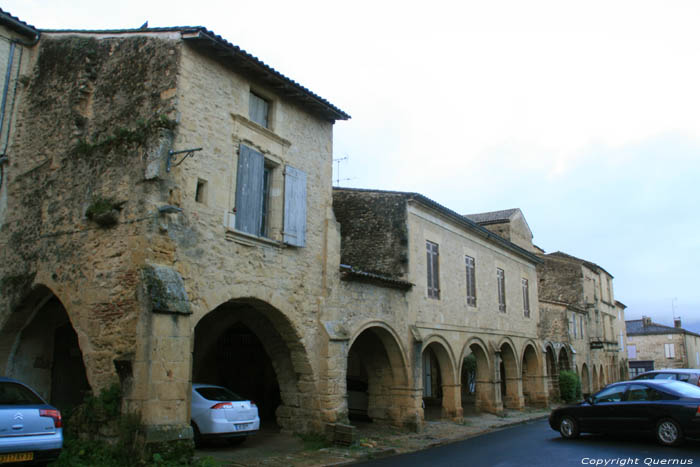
{"points": [[668, 409], [218, 412], [31, 430], [687, 375]]}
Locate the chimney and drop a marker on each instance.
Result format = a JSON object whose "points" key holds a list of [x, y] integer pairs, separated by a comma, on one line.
{"points": [[646, 321], [677, 322]]}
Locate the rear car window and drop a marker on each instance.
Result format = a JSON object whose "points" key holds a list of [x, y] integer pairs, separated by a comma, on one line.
{"points": [[218, 394], [665, 376], [17, 394], [684, 389]]}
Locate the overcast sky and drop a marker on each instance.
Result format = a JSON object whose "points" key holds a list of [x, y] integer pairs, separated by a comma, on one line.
{"points": [[584, 115]]}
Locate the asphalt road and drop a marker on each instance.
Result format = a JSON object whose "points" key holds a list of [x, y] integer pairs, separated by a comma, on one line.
{"points": [[536, 444]]}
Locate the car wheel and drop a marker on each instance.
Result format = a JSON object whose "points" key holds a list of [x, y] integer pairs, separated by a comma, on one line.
{"points": [[568, 428], [196, 435], [236, 441], [668, 432]]}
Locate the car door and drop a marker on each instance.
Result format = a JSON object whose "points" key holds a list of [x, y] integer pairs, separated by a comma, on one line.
{"points": [[637, 409], [604, 414]]}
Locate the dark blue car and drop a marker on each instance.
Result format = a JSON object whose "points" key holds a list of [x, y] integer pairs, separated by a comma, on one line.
{"points": [[668, 409], [31, 430]]}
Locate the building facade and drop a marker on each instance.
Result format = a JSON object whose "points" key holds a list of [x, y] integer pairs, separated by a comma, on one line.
{"points": [[653, 346]]}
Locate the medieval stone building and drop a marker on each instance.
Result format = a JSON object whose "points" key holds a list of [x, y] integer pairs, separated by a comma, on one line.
{"points": [[653, 346], [581, 325], [167, 216]]}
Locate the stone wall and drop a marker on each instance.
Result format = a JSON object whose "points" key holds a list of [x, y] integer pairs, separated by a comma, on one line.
{"points": [[560, 281], [373, 228]]}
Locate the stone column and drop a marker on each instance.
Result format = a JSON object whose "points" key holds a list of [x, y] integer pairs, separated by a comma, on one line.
{"points": [[452, 401]]}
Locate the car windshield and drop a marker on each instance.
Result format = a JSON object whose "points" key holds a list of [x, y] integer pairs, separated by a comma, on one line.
{"points": [[213, 393], [683, 389], [17, 394]]}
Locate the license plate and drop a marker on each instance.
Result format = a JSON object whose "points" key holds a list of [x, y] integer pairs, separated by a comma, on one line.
{"points": [[16, 457], [242, 426]]}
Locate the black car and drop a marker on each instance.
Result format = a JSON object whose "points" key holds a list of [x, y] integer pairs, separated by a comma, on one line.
{"points": [[667, 408]]}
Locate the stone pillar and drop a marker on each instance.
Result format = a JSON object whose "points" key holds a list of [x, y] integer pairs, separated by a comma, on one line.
{"points": [[452, 401]]}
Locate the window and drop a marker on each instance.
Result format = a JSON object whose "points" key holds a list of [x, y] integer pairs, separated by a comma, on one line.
{"points": [[613, 394], [581, 323], [252, 209], [258, 109], [622, 341], [433, 270], [501, 278], [471, 280], [670, 350], [573, 319], [631, 351], [200, 194], [526, 297]]}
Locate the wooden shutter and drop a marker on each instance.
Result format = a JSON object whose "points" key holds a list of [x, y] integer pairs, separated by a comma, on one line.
{"points": [[526, 297], [432, 257], [249, 190], [471, 281], [294, 206], [501, 278]]}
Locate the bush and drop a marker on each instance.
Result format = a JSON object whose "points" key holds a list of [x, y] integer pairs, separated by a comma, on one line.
{"points": [[569, 386]]}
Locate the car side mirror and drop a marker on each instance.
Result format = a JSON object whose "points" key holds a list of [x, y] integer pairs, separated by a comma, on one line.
{"points": [[589, 399]]}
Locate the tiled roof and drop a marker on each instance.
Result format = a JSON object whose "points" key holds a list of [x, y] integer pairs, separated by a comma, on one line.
{"points": [[18, 25], [590, 265], [491, 217], [356, 274], [637, 327], [458, 218], [242, 60]]}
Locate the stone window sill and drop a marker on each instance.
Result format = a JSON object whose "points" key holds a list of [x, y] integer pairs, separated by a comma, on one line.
{"points": [[243, 238]]}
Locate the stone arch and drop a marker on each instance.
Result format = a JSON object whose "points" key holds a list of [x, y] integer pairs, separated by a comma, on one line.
{"points": [[441, 389], [532, 379], [564, 360], [552, 372], [585, 380], [510, 376], [40, 346], [252, 348], [376, 375], [475, 377]]}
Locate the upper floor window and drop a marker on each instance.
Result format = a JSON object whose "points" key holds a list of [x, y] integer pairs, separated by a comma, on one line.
{"points": [[526, 297], [573, 318], [432, 255], [259, 110], [501, 279], [253, 181], [581, 327], [670, 350], [631, 351], [471, 280]]}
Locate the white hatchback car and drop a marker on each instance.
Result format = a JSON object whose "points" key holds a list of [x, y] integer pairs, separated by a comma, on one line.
{"points": [[220, 413]]}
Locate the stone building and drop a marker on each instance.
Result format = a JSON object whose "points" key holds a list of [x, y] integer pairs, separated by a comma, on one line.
{"points": [[653, 346], [581, 324], [458, 291], [130, 255]]}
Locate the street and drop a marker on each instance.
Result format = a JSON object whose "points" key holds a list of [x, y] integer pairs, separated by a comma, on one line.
{"points": [[536, 444]]}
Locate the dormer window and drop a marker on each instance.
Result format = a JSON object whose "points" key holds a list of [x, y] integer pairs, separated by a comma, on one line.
{"points": [[259, 110]]}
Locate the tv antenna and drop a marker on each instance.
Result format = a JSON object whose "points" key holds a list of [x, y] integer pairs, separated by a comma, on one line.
{"points": [[337, 170]]}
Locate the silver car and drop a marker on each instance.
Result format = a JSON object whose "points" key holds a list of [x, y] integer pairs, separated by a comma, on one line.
{"points": [[30, 429], [220, 413]]}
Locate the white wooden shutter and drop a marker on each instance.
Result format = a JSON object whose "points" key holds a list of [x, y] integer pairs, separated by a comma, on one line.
{"points": [[249, 190], [294, 207]]}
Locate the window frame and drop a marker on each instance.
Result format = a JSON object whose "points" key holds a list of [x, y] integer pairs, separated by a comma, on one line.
{"points": [[433, 269], [470, 267], [255, 102], [526, 296], [501, 281]]}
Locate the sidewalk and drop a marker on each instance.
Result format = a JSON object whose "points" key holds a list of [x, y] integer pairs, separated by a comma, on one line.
{"points": [[271, 448]]}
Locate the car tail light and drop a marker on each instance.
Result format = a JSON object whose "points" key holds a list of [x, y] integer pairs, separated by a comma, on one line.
{"points": [[222, 405], [52, 413]]}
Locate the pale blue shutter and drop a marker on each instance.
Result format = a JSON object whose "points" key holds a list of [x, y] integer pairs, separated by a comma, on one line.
{"points": [[249, 190], [294, 206]]}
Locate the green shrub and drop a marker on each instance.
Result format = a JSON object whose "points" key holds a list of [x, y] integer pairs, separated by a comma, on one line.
{"points": [[569, 386]]}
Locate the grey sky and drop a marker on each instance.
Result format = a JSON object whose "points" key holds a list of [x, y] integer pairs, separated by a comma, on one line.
{"points": [[584, 115]]}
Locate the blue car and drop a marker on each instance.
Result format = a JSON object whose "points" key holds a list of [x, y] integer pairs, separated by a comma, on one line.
{"points": [[31, 431]]}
